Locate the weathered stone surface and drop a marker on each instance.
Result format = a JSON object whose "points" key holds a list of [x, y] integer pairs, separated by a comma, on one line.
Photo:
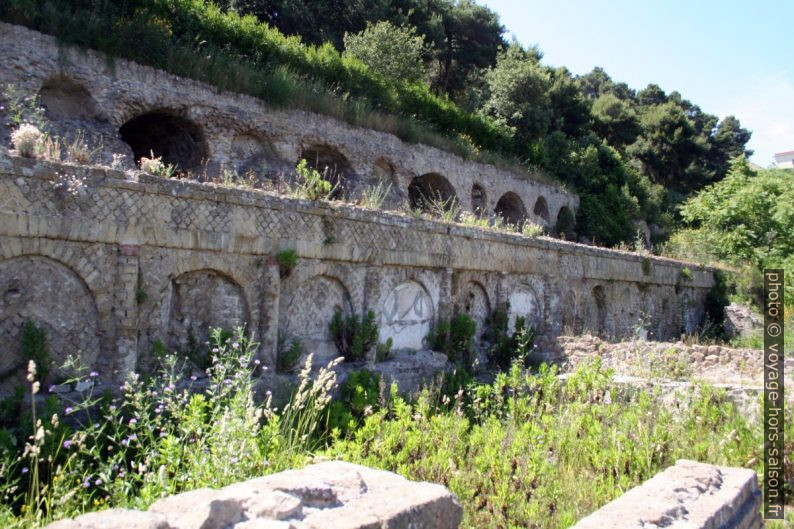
{"points": [[200, 509], [687, 495], [741, 320], [331, 495], [111, 518]]}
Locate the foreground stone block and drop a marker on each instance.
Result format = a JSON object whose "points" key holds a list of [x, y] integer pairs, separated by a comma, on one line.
{"points": [[331, 495], [689, 495]]}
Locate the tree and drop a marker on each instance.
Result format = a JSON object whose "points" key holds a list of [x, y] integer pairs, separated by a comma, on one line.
{"points": [[615, 121], [518, 94], [748, 214], [394, 52]]}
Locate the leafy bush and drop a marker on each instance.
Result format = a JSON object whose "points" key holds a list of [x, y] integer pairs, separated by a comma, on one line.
{"points": [[455, 338], [354, 337], [506, 347], [155, 166], [287, 357], [310, 184], [520, 452], [360, 396], [391, 51], [159, 436]]}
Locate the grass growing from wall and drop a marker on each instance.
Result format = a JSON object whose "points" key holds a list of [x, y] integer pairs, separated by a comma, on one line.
{"points": [[516, 452]]}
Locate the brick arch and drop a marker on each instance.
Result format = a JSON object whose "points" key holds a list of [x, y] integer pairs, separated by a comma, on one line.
{"points": [[541, 209], [330, 162], [200, 301], [252, 151], [308, 310], [56, 298], [511, 209], [64, 97], [431, 187]]}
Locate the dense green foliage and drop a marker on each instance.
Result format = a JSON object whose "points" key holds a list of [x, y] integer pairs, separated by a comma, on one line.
{"points": [[393, 52], [455, 338], [517, 455], [745, 221], [354, 336], [630, 155], [514, 451]]}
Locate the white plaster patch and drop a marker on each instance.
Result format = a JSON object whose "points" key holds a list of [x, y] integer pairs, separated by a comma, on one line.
{"points": [[524, 302], [407, 316]]}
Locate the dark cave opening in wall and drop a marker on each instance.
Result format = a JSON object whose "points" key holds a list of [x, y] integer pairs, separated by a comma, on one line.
{"points": [[511, 208], [176, 140], [541, 208], [333, 166], [429, 189]]}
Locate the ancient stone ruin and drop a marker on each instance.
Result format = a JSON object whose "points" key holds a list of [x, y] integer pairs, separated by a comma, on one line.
{"points": [[140, 259], [332, 495]]}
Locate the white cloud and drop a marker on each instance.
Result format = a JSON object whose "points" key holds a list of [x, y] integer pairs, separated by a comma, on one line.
{"points": [[766, 107]]}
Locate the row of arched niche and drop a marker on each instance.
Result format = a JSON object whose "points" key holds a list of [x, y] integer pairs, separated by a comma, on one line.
{"points": [[199, 300], [182, 142]]}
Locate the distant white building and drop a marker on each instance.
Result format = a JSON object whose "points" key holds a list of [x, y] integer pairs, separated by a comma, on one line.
{"points": [[785, 160]]}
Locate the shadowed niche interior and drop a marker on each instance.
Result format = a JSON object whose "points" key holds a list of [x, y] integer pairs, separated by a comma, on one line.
{"points": [[177, 140]]}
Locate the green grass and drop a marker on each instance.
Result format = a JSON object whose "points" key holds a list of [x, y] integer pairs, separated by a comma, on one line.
{"points": [[516, 452]]}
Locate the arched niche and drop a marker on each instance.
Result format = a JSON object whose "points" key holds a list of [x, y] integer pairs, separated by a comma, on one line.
{"points": [[511, 209], [541, 208], [564, 225], [479, 200], [407, 316], [307, 315], [179, 141], [431, 188], [332, 165], [476, 304], [597, 319], [251, 152], [62, 97], [57, 300], [203, 300], [524, 302]]}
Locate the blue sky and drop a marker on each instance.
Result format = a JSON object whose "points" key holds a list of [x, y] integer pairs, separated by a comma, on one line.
{"points": [[728, 57]]}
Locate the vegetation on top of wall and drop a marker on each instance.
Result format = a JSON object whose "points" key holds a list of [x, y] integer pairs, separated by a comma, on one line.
{"points": [[629, 154]]}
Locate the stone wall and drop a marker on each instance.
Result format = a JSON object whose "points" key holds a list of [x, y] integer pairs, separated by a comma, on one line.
{"points": [[132, 109], [111, 263], [331, 495], [687, 495]]}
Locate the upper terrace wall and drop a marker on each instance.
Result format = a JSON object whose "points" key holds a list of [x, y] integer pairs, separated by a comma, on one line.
{"points": [[133, 108], [110, 262]]}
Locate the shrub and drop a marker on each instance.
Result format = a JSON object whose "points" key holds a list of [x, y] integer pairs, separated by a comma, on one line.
{"points": [[287, 261], [360, 396], [373, 197], [531, 229], [287, 358], [354, 337], [506, 347], [455, 338], [156, 167], [310, 183], [34, 348], [26, 139]]}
